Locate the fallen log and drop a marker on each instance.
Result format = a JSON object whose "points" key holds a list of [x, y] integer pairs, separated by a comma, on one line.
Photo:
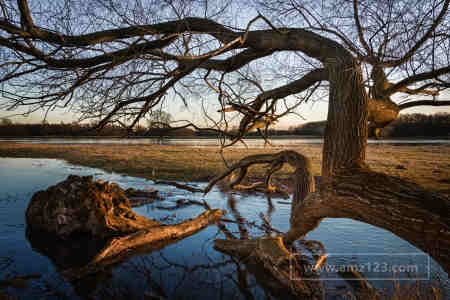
{"points": [[142, 197], [275, 267], [118, 249]]}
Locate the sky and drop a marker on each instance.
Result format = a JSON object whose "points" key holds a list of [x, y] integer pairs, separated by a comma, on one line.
{"points": [[310, 113]]}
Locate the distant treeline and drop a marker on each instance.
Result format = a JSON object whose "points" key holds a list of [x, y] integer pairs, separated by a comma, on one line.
{"points": [[419, 125], [407, 125], [10, 129]]}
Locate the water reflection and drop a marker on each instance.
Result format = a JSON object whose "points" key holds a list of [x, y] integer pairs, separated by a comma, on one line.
{"points": [[211, 142], [190, 268]]}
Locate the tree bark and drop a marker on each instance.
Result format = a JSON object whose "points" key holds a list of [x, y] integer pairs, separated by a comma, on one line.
{"points": [[118, 249], [345, 137], [406, 209]]}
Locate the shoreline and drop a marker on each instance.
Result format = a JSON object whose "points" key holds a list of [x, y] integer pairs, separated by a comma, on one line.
{"points": [[274, 137], [427, 165]]}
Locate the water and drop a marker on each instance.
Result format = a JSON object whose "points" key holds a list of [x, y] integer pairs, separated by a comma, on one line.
{"points": [[190, 268], [211, 142]]}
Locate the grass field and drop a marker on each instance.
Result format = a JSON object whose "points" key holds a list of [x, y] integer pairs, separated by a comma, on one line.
{"points": [[427, 165]]}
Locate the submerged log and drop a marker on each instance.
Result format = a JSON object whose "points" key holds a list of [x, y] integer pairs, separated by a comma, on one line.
{"points": [[118, 249], [275, 267]]}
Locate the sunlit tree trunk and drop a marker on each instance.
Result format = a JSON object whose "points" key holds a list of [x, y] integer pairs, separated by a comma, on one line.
{"points": [[351, 190], [346, 132]]}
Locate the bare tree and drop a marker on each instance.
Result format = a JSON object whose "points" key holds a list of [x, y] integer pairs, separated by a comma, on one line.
{"points": [[159, 119], [117, 61]]}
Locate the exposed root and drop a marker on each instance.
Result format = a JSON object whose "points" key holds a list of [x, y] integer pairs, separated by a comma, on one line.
{"points": [[303, 178]]}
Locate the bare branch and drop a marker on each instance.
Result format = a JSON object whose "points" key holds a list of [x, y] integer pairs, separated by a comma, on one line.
{"points": [[424, 103]]}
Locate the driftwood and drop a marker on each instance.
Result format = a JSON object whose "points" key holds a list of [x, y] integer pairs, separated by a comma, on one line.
{"points": [[118, 249], [275, 267], [180, 186], [141, 197], [184, 203]]}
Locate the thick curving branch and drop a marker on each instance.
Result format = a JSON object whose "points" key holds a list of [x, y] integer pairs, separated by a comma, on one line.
{"points": [[417, 78], [302, 176], [424, 103], [404, 208]]}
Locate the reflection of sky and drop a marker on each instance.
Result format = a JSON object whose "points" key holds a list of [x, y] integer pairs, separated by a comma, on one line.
{"points": [[349, 240]]}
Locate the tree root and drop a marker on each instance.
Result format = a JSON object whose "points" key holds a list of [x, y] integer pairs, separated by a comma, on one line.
{"points": [[303, 177]]}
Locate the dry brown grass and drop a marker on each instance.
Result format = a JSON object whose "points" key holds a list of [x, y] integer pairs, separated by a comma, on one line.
{"points": [[426, 165]]}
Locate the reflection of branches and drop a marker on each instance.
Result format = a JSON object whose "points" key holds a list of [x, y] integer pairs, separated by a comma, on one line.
{"points": [[147, 267], [243, 223], [265, 227], [240, 221], [5, 263], [184, 203], [191, 269]]}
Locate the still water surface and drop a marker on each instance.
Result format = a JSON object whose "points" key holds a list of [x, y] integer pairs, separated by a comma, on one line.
{"points": [[190, 268], [211, 142]]}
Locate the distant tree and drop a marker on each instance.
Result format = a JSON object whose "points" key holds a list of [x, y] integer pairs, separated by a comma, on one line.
{"points": [[159, 119], [6, 122]]}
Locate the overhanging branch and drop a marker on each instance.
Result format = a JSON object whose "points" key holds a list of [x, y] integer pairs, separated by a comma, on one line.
{"points": [[424, 103]]}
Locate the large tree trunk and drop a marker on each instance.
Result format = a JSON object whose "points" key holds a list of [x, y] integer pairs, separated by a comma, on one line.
{"points": [[351, 190], [345, 138]]}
